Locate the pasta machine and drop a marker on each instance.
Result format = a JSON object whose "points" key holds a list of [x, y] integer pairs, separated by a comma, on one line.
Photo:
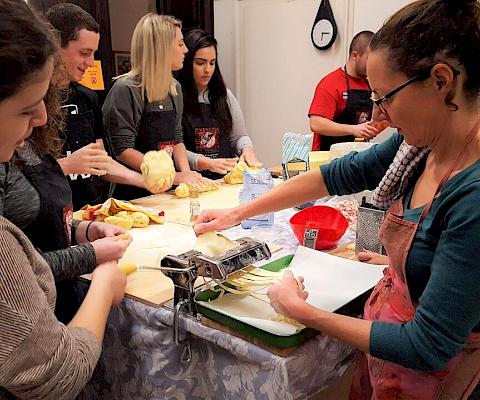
{"points": [[185, 268]]}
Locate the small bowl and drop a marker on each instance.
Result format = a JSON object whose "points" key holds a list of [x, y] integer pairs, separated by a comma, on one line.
{"points": [[267, 233], [329, 222]]}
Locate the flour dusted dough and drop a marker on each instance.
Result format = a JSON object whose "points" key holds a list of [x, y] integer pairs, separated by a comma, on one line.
{"points": [[235, 176], [213, 244], [157, 169], [182, 191]]}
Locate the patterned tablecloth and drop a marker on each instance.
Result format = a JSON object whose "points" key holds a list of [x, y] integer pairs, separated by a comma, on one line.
{"points": [[141, 361]]}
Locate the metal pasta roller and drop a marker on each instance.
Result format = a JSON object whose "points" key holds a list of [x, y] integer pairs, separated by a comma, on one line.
{"points": [[185, 268]]}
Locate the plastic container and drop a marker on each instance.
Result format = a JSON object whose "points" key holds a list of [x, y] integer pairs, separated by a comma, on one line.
{"points": [[329, 223], [338, 150], [267, 233]]}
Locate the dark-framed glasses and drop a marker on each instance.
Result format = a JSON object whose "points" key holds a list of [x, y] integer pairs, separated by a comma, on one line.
{"points": [[422, 75]]}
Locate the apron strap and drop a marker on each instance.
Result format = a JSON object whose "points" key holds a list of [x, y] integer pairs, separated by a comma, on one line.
{"points": [[346, 77], [445, 178]]}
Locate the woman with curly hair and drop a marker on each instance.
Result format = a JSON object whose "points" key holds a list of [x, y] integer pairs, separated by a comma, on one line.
{"points": [[40, 358], [36, 197]]}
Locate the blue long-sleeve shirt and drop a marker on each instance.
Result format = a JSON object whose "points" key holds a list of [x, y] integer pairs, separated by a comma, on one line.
{"points": [[443, 265]]}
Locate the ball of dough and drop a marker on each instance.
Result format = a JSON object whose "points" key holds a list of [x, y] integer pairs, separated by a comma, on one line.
{"points": [[235, 176], [140, 220], [158, 170], [182, 190]]}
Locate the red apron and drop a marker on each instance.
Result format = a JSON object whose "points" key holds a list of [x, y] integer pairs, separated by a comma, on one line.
{"points": [[390, 301]]}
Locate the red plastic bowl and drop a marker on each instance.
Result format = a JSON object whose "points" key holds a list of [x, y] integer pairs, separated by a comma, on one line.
{"points": [[330, 223]]}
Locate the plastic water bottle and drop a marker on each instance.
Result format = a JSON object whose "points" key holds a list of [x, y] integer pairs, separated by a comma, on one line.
{"points": [[255, 184]]}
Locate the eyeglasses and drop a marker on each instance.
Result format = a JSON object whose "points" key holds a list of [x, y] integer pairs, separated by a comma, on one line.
{"points": [[420, 76], [378, 102]]}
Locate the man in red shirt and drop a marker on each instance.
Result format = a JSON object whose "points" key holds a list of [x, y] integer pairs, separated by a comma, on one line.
{"points": [[341, 106]]}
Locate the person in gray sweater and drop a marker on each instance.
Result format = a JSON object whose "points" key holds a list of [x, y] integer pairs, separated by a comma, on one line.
{"points": [[40, 358], [143, 109]]}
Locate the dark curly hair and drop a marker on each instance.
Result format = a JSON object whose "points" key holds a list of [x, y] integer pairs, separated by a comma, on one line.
{"points": [[46, 139]]}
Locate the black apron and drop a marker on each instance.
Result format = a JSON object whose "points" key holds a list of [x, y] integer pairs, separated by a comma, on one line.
{"points": [[156, 132], [357, 111], [202, 135], [56, 213], [79, 132]]}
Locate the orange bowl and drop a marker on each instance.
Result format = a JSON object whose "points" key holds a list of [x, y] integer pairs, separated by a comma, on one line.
{"points": [[329, 223]]}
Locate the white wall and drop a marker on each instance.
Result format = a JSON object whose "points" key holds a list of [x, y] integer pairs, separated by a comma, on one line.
{"points": [[268, 60]]}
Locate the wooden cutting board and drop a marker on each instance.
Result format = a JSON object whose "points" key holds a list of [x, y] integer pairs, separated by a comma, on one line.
{"points": [[148, 247], [178, 210]]}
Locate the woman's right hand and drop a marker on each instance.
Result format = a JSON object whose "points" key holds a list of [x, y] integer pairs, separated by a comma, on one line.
{"points": [[191, 178], [221, 165], [110, 248], [113, 279], [215, 220], [90, 159]]}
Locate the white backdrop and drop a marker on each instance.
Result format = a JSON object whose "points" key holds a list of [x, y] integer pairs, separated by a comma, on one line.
{"points": [[270, 64]]}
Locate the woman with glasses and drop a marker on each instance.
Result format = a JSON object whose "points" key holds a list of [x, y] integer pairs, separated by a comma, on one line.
{"points": [[420, 335]]}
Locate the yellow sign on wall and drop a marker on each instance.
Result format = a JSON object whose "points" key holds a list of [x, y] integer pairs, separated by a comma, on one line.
{"points": [[93, 77]]}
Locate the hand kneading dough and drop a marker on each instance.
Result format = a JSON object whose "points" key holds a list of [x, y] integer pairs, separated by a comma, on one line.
{"points": [[182, 190], [235, 176], [157, 169], [213, 244]]}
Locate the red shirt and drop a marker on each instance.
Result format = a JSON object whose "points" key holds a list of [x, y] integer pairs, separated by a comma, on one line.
{"points": [[330, 98]]}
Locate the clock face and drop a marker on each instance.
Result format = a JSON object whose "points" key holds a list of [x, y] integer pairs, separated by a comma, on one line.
{"points": [[322, 33]]}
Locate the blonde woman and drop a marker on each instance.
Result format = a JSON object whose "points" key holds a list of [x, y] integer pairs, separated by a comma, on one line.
{"points": [[143, 110]]}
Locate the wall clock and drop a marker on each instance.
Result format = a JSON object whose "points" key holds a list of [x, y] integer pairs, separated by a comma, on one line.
{"points": [[324, 30]]}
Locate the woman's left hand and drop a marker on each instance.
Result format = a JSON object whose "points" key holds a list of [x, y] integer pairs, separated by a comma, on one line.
{"points": [[370, 257], [100, 230], [248, 155], [286, 295]]}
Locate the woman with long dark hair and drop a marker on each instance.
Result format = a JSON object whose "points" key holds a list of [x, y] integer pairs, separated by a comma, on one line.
{"points": [[213, 125]]}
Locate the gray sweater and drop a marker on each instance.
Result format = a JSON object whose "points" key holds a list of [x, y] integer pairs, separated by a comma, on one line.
{"points": [[20, 204], [123, 110], [40, 358]]}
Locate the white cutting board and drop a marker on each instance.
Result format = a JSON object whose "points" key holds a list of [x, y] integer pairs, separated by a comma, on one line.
{"points": [[331, 282]]}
